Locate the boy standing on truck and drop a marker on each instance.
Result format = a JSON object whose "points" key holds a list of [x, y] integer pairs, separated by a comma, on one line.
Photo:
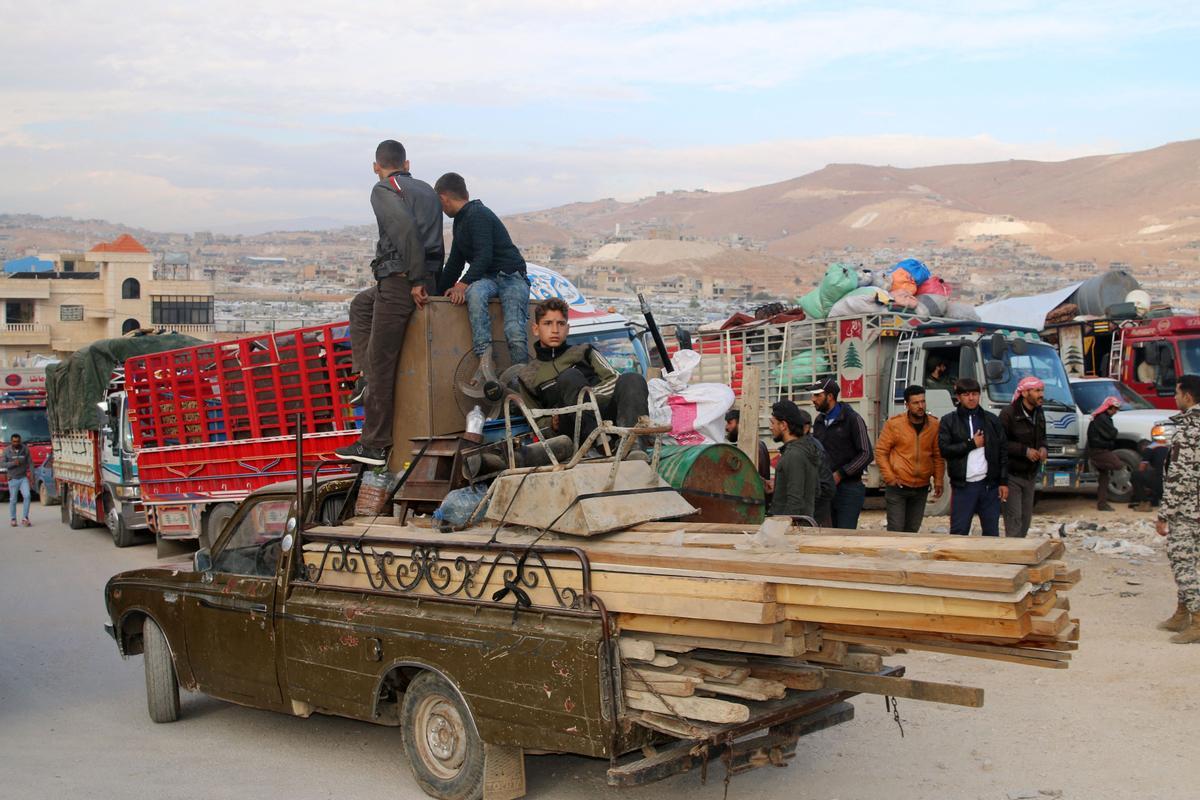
{"points": [[18, 464], [908, 457], [973, 443], [497, 270], [843, 434], [1179, 514], [379, 315], [1025, 428], [559, 372]]}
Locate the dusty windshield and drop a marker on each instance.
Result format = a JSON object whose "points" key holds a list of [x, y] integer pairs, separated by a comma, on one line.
{"points": [[1189, 355], [1041, 361], [1090, 394]]}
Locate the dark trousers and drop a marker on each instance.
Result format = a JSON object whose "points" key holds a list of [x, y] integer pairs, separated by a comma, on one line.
{"points": [[1106, 463], [378, 319], [1018, 510], [980, 497], [848, 499], [905, 507], [823, 513], [629, 400], [1147, 484]]}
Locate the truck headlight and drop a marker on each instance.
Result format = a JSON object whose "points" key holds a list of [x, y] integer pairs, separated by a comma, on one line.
{"points": [[129, 492], [1162, 432]]}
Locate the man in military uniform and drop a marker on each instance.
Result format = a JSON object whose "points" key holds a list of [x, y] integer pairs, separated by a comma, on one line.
{"points": [[1179, 514]]}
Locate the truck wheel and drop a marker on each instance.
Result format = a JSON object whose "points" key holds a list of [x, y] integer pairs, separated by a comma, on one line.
{"points": [[214, 522], [73, 520], [162, 687], [122, 535], [1120, 482], [444, 751], [45, 497], [941, 506]]}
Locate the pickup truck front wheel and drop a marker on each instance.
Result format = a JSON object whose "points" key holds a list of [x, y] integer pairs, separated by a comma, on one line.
{"points": [[444, 750], [162, 687]]}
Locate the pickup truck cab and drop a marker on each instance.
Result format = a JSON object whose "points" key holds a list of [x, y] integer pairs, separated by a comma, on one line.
{"points": [[473, 679]]}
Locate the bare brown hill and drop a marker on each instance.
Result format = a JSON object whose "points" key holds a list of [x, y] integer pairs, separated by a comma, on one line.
{"points": [[1141, 207]]}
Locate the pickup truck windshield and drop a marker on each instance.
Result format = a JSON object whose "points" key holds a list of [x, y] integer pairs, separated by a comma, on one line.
{"points": [[30, 423], [1090, 394], [617, 348], [1040, 360]]}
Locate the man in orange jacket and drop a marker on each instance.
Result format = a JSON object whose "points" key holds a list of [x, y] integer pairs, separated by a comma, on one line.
{"points": [[908, 457]]}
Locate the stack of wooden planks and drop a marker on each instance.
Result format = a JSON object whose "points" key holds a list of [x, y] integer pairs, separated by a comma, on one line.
{"points": [[815, 595]]}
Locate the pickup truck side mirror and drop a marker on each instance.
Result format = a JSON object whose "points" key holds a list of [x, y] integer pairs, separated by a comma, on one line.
{"points": [[202, 560]]}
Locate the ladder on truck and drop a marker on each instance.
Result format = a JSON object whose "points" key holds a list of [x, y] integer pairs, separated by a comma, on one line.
{"points": [[905, 348], [1115, 354]]}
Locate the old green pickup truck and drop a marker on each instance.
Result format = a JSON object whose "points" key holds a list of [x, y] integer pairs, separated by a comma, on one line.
{"points": [[472, 680]]}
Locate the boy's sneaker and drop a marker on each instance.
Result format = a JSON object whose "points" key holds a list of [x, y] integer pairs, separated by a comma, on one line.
{"points": [[25, 522], [13, 522], [374, 456], [358, 395]]}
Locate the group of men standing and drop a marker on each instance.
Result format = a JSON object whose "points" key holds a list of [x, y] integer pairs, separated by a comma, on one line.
{"points": [[991, 461]]}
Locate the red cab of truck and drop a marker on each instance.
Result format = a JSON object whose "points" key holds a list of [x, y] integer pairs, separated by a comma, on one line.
{"points": [[23, 411], [1155, 352]]}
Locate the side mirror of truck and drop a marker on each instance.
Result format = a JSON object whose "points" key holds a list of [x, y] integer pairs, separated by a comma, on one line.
{"points": [[202, 560], [999, 345], [995, 371], [966, 361], [1020, 347]]}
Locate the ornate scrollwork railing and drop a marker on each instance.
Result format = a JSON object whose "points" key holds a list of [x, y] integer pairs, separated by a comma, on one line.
{"points": [[420, 568]]}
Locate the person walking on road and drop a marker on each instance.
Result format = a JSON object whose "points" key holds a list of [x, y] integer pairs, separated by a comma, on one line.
{"points": [[380, 314], [973, 443], [1179, 514], [18, 464], [497, 270], [797, 472], [843, 434], [908, 457], [1024, 424], [1101, 448]]}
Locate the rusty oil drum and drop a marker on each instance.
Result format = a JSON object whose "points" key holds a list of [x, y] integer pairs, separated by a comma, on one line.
{"points": [[718, 479]]}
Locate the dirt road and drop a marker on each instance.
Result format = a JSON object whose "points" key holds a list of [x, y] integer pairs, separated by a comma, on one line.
{"points": [[1122, 722]]}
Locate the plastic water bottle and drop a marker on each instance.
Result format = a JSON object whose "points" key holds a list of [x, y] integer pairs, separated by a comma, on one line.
{"points": [[475, 421]]}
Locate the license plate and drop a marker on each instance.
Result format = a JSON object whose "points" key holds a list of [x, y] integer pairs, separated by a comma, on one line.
{"points": [[174, 519], [1062, 479]]}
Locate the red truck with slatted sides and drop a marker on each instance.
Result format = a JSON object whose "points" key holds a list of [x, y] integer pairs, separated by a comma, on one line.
{"points": [[23, 411], [213, 422]]}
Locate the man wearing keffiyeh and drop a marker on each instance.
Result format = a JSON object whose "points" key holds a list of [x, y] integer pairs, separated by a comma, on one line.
{"points": [[1025, 425]]}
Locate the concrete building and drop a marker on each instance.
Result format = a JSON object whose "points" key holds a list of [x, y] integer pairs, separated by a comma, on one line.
{"points": [[54, 305]]}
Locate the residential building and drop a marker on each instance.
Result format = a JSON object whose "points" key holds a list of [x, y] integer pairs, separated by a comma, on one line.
{"points": [[55, 304]]}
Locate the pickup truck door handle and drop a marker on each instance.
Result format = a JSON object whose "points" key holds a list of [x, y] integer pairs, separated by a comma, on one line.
{"points": [[253, 608], [261, 608]]}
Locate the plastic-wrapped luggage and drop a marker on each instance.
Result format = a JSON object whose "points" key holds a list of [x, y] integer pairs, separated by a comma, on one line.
{"points": [[865, 300], [805, 367], [964, 311], [935, 285], [840, 280]]}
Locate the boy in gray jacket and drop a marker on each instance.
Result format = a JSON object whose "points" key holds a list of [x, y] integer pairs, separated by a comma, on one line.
{"points": [[18, 464]]}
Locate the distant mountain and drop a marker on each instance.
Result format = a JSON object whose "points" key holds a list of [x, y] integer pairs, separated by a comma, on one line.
{"points": [[1142, 208]]}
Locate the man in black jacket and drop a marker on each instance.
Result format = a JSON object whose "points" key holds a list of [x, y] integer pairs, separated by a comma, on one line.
{"points": [[497, 270], [379, 315], [973, 443], [1101, 443], [1025, 428], [843, 434]]}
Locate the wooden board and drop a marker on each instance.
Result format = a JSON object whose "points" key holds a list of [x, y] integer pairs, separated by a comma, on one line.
{"points": [[967, 696], [895, 601], [1015, 629], [749, 689], [705, 629], [706, 709]]}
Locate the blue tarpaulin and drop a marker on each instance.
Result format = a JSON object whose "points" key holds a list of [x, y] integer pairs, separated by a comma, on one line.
{"points": [[28, 264]]}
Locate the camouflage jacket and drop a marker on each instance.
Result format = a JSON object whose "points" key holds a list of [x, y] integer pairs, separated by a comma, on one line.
{"points": [[1181, 484]]}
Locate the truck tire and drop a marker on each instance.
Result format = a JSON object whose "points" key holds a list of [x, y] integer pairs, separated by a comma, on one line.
{"points": [[214, 522], [73, 520], [1120, 482], [941, 506], [45, 497], [121, 534], [162, 687], [444, 750]]}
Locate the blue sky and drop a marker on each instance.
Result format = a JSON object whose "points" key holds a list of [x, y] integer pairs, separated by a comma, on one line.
{"points": [[193, 116]]}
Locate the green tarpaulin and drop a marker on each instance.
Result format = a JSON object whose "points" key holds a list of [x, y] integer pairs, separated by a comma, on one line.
{"points": [[76, 385]]}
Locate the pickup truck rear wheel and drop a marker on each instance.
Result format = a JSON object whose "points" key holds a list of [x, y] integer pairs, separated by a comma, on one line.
{"points": [[122, 535], [162, 687], [1120, 482], [444, 751]]}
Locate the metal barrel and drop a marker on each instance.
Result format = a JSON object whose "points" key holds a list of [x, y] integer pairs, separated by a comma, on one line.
{"points": [[718, 479], [1098, 293]]}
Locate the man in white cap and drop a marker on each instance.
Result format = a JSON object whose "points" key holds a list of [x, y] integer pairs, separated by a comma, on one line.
{"points": [[1101, 444], [1025, 426]]}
